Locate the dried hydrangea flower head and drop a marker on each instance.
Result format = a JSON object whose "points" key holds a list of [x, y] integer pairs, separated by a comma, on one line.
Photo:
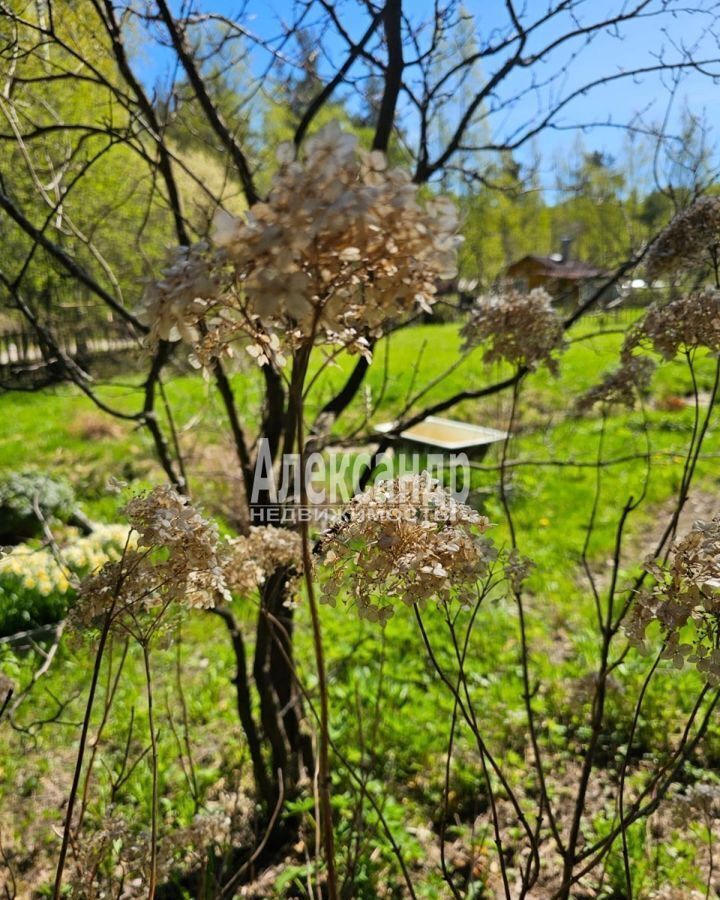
{"points": [[517, 569], [622, 386], [117, 854], [691, 239], [405, 540], [685, 602], [519, 327], [113, 855], [172, 306], [226, 816], [686, 323], [250, 559], [125, 584], [176, 559], [342, 244], [700, 801], [165, 519]]}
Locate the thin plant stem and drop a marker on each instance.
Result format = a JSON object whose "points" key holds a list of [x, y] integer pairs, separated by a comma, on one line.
{"points": [[193, 782], [113, 683], [470, 719], [154, 764], [358, 779], [524, 651], [711, 856], [623, 773], [656, 789], [81, 754], [328, 836]]}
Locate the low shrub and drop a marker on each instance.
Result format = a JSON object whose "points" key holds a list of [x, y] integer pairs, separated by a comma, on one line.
{"points": [[25, 494]]}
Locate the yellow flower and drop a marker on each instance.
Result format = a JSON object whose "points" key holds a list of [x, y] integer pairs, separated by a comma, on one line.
{"points": [[544, 521]]}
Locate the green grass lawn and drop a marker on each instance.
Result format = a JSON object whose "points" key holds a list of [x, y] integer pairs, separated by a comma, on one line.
{"points": [[551, 503]]}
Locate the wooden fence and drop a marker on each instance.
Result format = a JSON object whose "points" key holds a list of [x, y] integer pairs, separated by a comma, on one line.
{"points": [[620, 314], [22, 347]]}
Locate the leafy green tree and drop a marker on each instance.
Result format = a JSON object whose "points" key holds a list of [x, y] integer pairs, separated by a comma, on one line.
{"points": [[591, 208], [75, 172]]}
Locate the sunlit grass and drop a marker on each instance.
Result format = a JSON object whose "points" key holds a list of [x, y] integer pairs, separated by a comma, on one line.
{"points": [[551, 502]]}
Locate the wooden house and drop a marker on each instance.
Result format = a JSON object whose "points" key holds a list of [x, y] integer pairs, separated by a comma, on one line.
{"points": [[568, 281]]}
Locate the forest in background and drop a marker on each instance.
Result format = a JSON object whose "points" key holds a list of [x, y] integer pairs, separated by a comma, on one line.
{"points": [[87, 190]]}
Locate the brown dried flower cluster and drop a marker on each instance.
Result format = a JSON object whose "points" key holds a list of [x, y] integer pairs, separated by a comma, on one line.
{"points": [[127, 585], [164, 519], [521, 328], [685, 602], [700, 801], [342, 244], [173, 305], [405, 540], [111, 861], [690, 240], [176, 559], [250, 559], [686, 323], [114, 860], [622, 386], [517, 569], [226, 820]]}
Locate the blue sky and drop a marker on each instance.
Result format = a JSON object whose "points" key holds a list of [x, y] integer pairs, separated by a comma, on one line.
{"points": [[620, 101]]}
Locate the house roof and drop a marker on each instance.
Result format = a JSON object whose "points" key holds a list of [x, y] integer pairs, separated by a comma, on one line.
{"points": [[570, 270]]}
